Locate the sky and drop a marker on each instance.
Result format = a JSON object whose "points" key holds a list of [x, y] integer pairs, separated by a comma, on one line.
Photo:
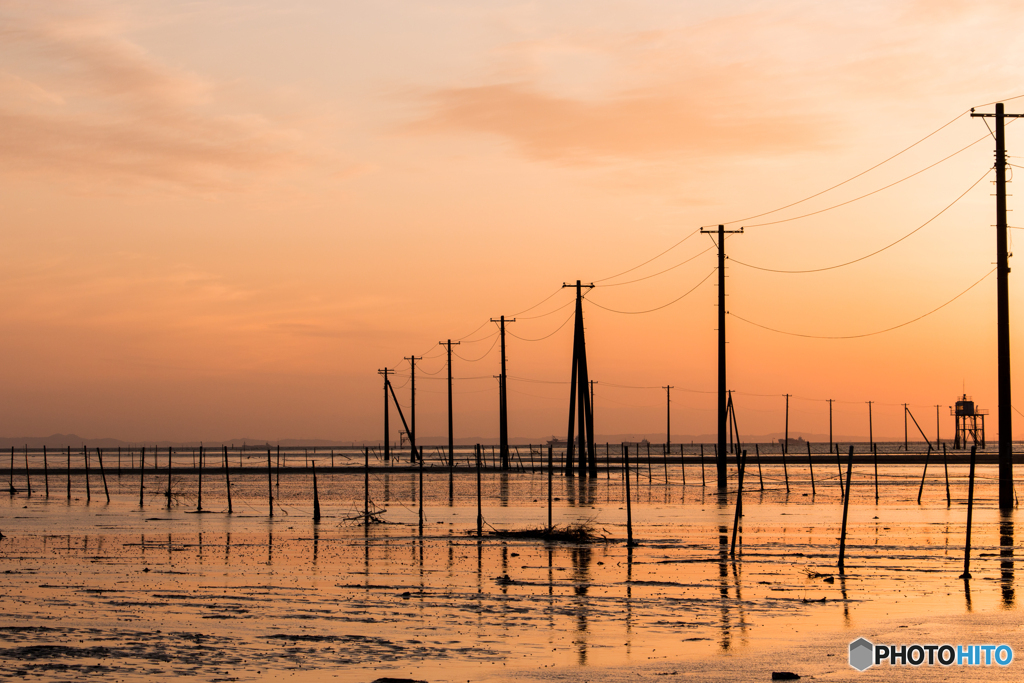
{"points": [[222, 218]]}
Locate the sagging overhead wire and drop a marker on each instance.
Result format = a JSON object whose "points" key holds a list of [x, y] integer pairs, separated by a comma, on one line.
{"points": [[542, 315], [866, 334], [658, 308], [850, 179], [873, 192], [527, 310], [545, 336], [653, 258], [874, 253], [648, 277], [486, 353]]}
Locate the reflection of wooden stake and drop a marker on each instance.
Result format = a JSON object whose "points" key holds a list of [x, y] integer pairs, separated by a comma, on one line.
{"points": [[629, 502], [103, 474], [970, 513], [846, 508]]}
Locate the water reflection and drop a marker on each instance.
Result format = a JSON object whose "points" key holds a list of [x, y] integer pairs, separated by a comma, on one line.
{"points": [[723, 583], [1006, 559], [503, 489], [580, 558]]}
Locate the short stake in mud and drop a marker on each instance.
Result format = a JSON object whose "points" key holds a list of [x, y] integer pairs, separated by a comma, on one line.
{"points": [[142, 474], [316, 498], [169, 452], [270, 485], [199, 502], [28, 478], [945, 466], [46, 473], [479, 502], [846, 509], [739, 502], [551, 474], [227, 478], [970, 513], [88, 489], [103, 474], [810, 464], [69, 473], [920, 490], [366, 484], [874, 451]]}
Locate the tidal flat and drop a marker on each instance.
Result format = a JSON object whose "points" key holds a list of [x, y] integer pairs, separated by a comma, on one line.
{"points": [[115, 591]]}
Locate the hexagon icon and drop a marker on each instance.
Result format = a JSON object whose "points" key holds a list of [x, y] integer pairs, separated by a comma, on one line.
{"points": [[861, 654]]}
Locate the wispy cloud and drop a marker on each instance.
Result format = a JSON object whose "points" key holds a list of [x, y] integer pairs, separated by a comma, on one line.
{"points": [[77, 97]]}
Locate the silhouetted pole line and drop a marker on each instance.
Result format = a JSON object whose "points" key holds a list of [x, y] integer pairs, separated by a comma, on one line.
{"points": [[1003, 314], [451, 428], [503, 398], [412, 408], [387, 432], [579, 380], [720, 454]]}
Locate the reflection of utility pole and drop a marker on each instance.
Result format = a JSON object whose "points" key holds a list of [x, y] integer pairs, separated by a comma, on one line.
{"points": [[451, 431], [1003, 316], [723, 475], [503, 398], [412, 411], [668, 419]]}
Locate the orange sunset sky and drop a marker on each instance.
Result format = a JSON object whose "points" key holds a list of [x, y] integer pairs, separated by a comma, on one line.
{"points": [[221, 218]]}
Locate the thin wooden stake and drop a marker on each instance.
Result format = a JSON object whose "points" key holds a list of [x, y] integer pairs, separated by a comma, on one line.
{"points": [[316, 498], [810, 464], [629, 502], [13, 491], [227, 479], [551, 474], [945, 466], [920, 489], [270, 483], [142, 473], [874, 451], [479, 502], [682, 463], [702, 482], [169, 455], [88, 489], [199, 506], [785, 469], [760, 478], [970, 514], [46, 473], [839, 466], [28, 479], [366, 485], [846, 508], [103, 474], [739, 501], [69, 473]]}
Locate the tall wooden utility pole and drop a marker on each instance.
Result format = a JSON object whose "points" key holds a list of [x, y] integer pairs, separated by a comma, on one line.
{"points": [[451, 431], [578, 390], [387, 431], [723, 427], [503, 398], [668, 419], [1003, 315], [411, 429]]}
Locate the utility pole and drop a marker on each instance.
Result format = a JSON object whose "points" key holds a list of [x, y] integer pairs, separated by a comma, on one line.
{"points": [[503, 398], [580, 378], [830, 441], [387, 432], [668, 419], [1003, 315], [723, 475], [871, 433], [451, 431], [412, 411]]}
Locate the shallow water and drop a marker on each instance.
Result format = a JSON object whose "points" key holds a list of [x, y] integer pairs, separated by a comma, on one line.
{"points": [[96, 589]]}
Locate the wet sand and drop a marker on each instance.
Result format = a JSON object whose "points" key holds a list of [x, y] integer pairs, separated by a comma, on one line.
{"points": [[95, 590]]}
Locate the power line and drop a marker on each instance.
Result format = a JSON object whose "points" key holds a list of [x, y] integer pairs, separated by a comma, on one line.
{"points": [[874, 253], [851, 179], [658, 308], [873, 192], [866, 334], [648, 277], [630, 270], [545, 336], [525, 310], [553, 310], [486, 353]]}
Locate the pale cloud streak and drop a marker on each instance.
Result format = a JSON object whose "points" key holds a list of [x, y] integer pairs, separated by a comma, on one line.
{"points": [[78, 98]]}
